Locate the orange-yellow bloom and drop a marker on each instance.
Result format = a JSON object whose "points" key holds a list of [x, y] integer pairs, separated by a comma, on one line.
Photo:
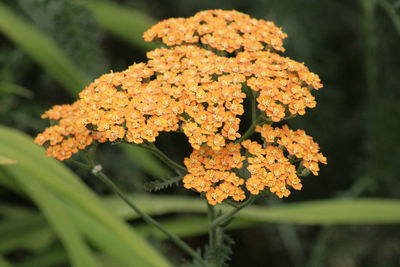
{"points": [[219, 29], [197, 86]]}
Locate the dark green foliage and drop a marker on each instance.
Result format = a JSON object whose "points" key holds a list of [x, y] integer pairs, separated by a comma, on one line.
{"points": [[73, 27], [221, 254]]}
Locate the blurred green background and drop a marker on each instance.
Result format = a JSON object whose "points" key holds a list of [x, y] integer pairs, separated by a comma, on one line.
{"points": [[347, 216]]}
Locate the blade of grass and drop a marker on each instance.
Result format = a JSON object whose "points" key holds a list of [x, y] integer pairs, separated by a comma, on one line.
{"points": [[391, 12], [104, 239], [55, 256], [15, 211], [52, 209], [4, 263], [317, 212], [42, 49], [64, 184], [187, 226], [125, 23], [6, 161], [29, 232], [11, 88]]}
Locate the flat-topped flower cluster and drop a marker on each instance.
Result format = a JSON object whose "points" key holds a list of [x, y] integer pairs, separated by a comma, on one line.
{"points": [[197, 86]]}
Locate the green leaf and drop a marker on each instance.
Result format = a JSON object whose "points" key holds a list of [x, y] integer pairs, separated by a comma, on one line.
{"points": [[11, 88], [104, 239], [186, 226], [51, 176], [391, 12], [42, 49], [332, 211], [160, 185], [6, 161], [123, 22], [4, 263], [52, 208], [55, 256], [29, 231], [317, 212]]}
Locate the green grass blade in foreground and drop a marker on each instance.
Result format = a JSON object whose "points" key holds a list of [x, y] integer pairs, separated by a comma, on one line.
{"points": [[42, 49], [6, 161], [29, 231], [55, 256], [146, 160], [187, 226], [11, 88], [61, 182], [51, 207], [317, 212], [391, 12], [102, 237], [93, 230], [122, 21], [4, 263]]}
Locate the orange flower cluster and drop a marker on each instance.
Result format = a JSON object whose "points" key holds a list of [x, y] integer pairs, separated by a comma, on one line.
{"points": [[67, 137], [297, 143], [179, 88], [272, 165], [209, 90], [213, 172], [271, 168], [219, 29], [283, 85], [197, 87]]}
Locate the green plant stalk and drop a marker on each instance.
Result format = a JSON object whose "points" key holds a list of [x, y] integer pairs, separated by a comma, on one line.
{"points": [[174, 238], [253, 107], [370, 42], [164, 158], [391, 12], [212, 232], [223, 219], [251, 129]]}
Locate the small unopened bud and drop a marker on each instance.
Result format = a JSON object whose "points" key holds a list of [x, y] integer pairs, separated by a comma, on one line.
{"points": [[96, 169]]}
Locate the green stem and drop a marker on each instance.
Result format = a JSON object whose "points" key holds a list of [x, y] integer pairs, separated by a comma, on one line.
{"points": [[251, 130], [253, 107], [164, 158], [228, 216], [174, 238], [370, 47], [212, 230], [216, 235], [79, 164], [391, 12]]}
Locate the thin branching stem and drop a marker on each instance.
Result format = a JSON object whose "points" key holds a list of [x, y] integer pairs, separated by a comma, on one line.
{"points": [[174, 238], [212, 232], [228, 216], [164, 158], [251, 130], [253, 107], [391, 12]]}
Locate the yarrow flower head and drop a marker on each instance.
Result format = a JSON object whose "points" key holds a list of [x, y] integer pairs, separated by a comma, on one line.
{"points": [[197, 85]]}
